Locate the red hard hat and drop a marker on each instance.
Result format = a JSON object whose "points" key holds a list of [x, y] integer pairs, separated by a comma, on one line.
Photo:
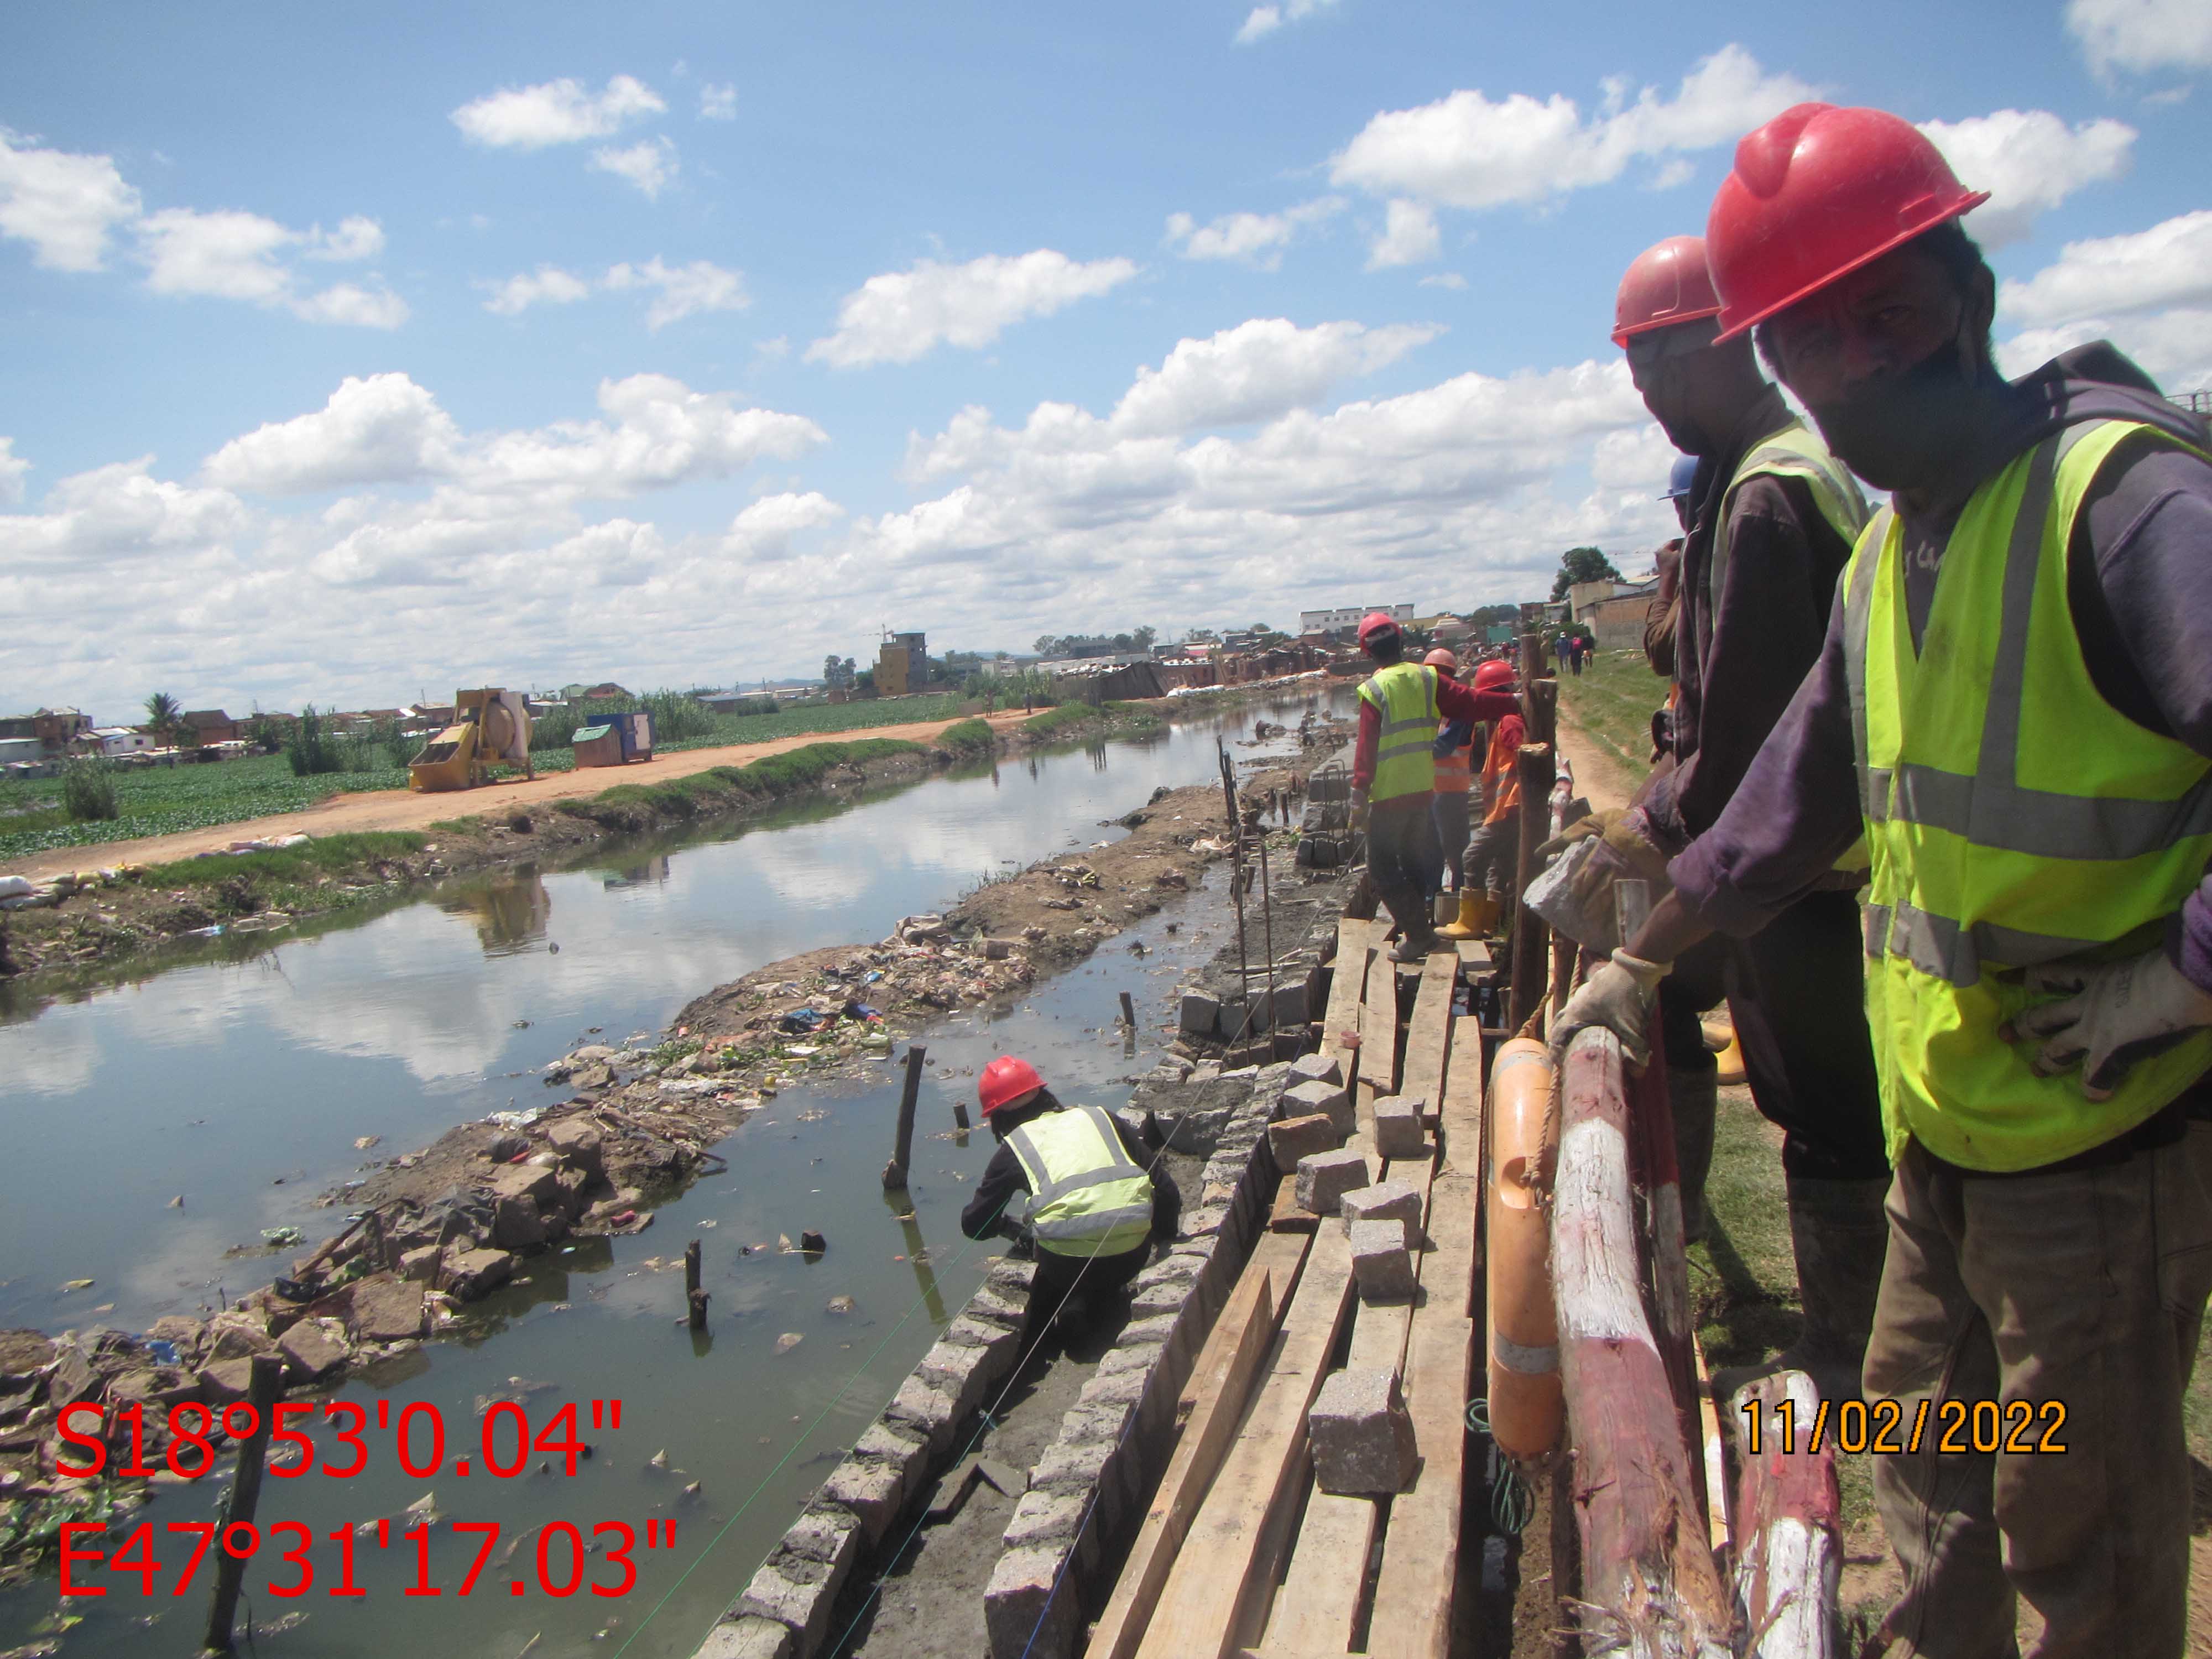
{"points": [[1443, 660], [1493, 675], [1006, 1080], [1817, 192], [1666, 284], [1375, 622]]}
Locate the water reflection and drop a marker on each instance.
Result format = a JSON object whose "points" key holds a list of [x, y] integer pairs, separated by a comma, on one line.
{"points": [[512, 909]]}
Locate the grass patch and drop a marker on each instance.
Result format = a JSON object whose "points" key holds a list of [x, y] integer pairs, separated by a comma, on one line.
{"points": [[1612, 699], [326, 856], [634, 806], [967, 737], [1053, 721], [1137, 716]]}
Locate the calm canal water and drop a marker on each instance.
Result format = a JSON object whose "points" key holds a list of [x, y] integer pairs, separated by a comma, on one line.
{"points": [[242, 1086]]}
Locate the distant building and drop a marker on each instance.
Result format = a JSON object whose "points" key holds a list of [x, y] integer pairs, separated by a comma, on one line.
{"points": [[121, 740], [902, 665], [60, 729], [209, 726], [1615, 611], [1348, 620], [18, 750]]}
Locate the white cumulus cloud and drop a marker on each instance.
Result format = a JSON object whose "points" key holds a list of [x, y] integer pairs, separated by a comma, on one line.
{"points": [[2029, 160], [13, 471], [230, 254], [1409, 237], [1468, 151], [562, 112], [900, 316], [718, 103], [357, 237], [1263, 21], [1256, 371], [2170, 264], [2141, 35], [383, 429], [649, 166], [1256, 238], [64, 205], [681, 291], [547, 285]]}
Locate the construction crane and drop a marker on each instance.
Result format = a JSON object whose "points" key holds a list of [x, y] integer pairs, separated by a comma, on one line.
{"points": [[490, 724]]}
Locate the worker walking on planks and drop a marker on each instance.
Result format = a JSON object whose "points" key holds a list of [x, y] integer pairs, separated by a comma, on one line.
{"points": [[2018, 674], [1771, 516], [1454, 752], [1394, 775], [1071, 1182], [1489, 865]]}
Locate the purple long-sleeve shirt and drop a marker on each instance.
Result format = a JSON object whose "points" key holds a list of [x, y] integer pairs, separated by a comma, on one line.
{"points": [[2141, 605]]}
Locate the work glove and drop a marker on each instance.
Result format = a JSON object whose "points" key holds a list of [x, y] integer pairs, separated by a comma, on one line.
{"points": [[1617, 998], [1359, 810], [1628, 848], [2110, 1015]]}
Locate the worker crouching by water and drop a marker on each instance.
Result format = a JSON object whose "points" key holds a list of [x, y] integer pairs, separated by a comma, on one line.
{"points": [[1394, 775], [1071, 1183]]}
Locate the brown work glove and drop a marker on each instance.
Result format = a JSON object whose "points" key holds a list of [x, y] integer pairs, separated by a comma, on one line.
{"points": [[1628, 850]]}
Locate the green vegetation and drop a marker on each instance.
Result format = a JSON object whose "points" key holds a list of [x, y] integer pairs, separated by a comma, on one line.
{"points": [[967, 737], [310, 751], [89, 791], [633, 806], [323, 857], [1612, 699], [160, 800], [164, 720], [1030, 687], [1582, 564], [1056, 722]]}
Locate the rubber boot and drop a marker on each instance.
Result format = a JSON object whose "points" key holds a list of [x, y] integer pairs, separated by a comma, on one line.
{"points": [[1469, 925], [1416, 932], [1729, 1069], [1690, 1096], [1839, 1236], [1442, 909], [1489, 909]]}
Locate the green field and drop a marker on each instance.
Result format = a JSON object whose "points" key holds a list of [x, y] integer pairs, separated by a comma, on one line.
{"points": [[163, 800]]}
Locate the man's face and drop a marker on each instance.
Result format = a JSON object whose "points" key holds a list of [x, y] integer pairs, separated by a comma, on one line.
{"points": [[1877, 357], [1663, 364]]}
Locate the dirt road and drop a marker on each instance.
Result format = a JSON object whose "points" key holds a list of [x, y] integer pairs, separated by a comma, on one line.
{"points": [[404, 808]]}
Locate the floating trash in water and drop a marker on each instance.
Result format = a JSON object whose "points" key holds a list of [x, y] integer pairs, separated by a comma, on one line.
{"points": [[281, 1238], [788, 1342]]}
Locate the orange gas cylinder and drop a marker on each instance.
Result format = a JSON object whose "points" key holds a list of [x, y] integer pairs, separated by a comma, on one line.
{"points": [[1526, 1411]]}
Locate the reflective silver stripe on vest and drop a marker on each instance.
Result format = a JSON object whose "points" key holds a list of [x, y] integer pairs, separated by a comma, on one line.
{"points": [[1759, 464], [1991, 808], [1096, 1225], [1938, 946], [1416, 733], [1119, 1170]]}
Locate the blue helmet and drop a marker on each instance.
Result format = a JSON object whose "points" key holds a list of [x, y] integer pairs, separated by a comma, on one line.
{"points": [[1679, 477]]}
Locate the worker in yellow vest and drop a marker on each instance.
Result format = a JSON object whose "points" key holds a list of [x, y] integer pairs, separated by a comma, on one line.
{"points": [[1394, 775], [1769, 518], [1072, 1184], [2013, 706]]}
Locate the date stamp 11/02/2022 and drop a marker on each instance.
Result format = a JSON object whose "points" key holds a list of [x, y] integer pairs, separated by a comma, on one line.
{"points": [[1951, 1427], [184, 1444]]}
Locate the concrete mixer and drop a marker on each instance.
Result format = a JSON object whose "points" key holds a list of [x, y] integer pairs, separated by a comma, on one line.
{"points": [[489, 725]]}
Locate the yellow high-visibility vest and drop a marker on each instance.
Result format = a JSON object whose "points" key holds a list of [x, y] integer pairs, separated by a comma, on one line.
{"points": [[1405, 694], [2013, 817], [1085, 1197]]}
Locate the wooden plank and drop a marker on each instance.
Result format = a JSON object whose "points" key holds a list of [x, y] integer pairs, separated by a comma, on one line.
{"points": [[1319, 1602], [1474, 956], [1428, 1035], [1378, 1039], [1196, 1616], [1258, 1601], [1220, 1385], [1414, 1591], [1460, 1127], [1354, 941], [1787, 1572]]}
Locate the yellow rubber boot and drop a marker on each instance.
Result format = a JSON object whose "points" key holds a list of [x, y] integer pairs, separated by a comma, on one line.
{"points": [[1487, 912], [1469, 923], [1730, 1064]]}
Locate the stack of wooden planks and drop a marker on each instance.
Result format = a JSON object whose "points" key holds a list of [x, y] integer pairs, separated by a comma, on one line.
{"points": [[1240, 1553]]}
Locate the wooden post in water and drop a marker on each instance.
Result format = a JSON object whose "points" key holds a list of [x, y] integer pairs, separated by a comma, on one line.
{"points": [[694, 1298], [894, 1171], [262, 1393], [1128, 1011]]}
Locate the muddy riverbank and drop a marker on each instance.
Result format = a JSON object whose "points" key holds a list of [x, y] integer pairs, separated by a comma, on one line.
{"points": [[103, 905]]}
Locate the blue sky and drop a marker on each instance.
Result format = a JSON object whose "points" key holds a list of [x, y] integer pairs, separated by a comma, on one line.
{"points": [[352, 353]]}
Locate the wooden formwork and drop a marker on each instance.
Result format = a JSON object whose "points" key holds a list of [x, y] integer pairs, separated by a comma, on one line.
{"points": [[1240, 1553]]}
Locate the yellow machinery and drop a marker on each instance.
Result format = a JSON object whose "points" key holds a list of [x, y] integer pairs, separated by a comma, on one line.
{"points": [[489, 725]]}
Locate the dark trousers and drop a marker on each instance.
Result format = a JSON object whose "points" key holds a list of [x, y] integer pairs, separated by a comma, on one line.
{"points": [[1089, 1277], [1404, 860], [1450, 814], [1492, 855], [1797, 996]]}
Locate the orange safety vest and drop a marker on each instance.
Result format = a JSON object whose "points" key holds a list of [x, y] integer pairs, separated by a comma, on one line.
{"points": [[1501, 781], [1455, 770]]}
